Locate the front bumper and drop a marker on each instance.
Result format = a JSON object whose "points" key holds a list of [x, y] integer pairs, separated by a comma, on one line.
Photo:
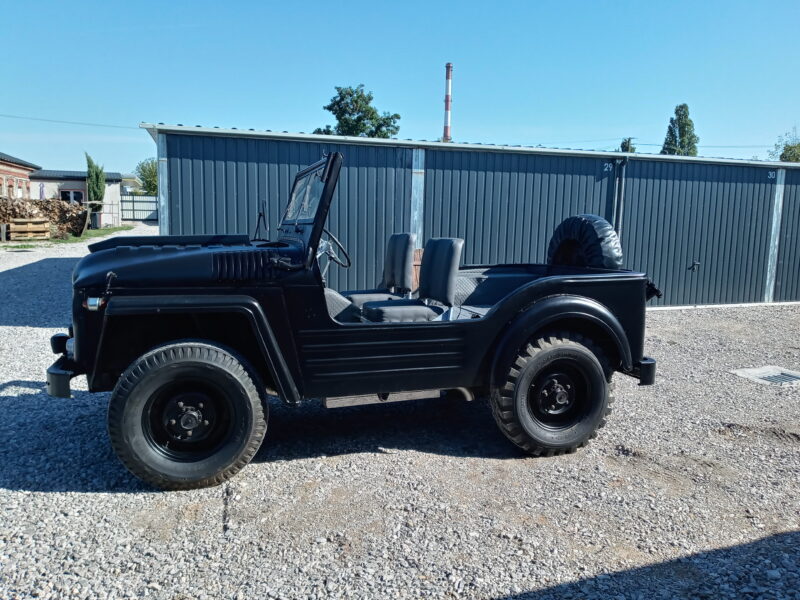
{"points": [[63, 370]]}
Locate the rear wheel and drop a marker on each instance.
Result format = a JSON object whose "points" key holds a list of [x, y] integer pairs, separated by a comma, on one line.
{"points": [[555, 395], [186, 415]]}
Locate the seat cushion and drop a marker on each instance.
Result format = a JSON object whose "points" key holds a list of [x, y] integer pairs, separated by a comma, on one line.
{"points": [[403, 310], [340, 308], [361, 297]]}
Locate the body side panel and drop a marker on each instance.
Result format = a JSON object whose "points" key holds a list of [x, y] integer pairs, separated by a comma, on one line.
{"points": [[360, 358], [274, 355]]}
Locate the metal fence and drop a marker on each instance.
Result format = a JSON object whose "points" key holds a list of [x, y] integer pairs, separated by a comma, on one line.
{"points": [[707, 231], [139, 208]]}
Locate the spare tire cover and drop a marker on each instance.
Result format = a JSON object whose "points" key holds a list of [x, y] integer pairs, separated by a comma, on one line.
{"points": [[585, 241]]}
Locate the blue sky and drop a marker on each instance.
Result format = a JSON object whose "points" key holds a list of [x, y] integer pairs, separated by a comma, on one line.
{"points": [[562, 74]]}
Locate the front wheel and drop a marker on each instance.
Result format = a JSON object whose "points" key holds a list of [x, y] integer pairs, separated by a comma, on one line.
{"points": [[555, 395], [186, 415]]}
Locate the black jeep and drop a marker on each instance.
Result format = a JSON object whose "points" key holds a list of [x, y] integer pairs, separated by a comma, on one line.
{"points": [[193, 332]]}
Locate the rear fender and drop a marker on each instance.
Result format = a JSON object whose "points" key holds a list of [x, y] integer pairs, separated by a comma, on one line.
{"points": [[240, 304], [546, 313]]}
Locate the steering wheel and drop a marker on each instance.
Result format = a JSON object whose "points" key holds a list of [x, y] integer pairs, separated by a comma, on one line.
{"points": [[327, 247]]}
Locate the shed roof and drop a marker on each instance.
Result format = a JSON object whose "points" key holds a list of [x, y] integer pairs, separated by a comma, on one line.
{"points": [[111, 177], [155, 128], [17, 161]]}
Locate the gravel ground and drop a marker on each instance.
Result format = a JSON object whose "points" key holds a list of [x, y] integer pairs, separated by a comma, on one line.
{"points": [[692, 490]]}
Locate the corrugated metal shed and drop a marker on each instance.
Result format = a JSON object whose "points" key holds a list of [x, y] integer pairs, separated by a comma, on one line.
{"points": [[218, 185], [708, 230], [160, 128], [787, 281]]}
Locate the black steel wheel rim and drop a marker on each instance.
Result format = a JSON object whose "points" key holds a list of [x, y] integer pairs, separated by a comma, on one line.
{"points": [[558, 396], [188, 420]]}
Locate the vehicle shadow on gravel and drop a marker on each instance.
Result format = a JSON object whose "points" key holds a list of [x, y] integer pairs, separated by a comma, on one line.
{"points": [[438, 426], [37, 294], [766, 568], [55, 445]]}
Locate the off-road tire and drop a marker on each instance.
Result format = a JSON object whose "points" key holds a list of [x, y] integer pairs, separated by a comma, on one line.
{"points": [[511, 402], [195, 363], [585, 241]]}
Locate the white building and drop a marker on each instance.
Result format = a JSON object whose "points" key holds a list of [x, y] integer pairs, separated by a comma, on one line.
{"points": [[70, 186], [131, 184]]}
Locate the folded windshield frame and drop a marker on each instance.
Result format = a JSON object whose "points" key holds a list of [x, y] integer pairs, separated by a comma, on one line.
{"points": [[306, 194]]}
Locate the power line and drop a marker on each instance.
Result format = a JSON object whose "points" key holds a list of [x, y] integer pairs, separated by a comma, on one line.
{"points": [[106, 125], [654, 144], [709, 146], [23, 118], [651, 143], [583, 141]]}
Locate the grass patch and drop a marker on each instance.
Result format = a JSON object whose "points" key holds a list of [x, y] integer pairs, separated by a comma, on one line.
{"points": [[18, 246], [93, 233]]}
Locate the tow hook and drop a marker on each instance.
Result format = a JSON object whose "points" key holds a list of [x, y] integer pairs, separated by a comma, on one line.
{"points": [[652, 291]]}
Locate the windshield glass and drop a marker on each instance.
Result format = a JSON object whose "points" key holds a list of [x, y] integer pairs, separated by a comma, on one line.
{"points": [[306, 195]]}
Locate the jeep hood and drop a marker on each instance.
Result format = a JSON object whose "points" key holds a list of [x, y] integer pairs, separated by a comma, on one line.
{"points": [[167, 261], [143, 266]]}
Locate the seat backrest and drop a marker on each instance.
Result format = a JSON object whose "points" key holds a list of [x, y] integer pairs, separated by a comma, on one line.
{"points": [[398, 266], [437, 275]]}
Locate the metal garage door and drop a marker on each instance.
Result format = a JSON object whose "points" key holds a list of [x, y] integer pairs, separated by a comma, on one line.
{"points": [[700, 230], [507, 205], [787, 281]]}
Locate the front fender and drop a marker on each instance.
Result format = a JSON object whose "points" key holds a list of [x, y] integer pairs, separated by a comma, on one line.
{"points": [[548, 311], [242, 304]]}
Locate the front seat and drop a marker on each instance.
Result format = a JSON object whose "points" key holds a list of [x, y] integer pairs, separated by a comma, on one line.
{"points": [[436, 283], [398, 272]]}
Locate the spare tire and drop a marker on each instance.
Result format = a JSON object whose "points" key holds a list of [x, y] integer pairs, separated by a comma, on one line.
{"points": [[585, 241]]}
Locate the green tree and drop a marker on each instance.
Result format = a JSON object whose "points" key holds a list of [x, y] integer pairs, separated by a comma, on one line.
{"points": [[95, 184], [681, 138], [95, 188], [147, 172], [626, 145], [791, 153], [355, 115], [787, 148]]}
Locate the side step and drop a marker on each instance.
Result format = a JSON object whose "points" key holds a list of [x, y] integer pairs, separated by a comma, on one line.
{"points": [[343, 401]]}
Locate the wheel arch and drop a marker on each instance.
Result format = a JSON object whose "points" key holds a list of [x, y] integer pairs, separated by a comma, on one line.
{"points": [[564, 312], [238, 323], [147, 423]]}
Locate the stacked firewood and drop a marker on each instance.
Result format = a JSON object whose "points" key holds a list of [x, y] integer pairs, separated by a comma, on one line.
{"points": [[65, 218]]}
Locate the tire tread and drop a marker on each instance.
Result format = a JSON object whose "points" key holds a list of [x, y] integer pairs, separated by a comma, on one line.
{"points": [[502, 397], [158, 358]]}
